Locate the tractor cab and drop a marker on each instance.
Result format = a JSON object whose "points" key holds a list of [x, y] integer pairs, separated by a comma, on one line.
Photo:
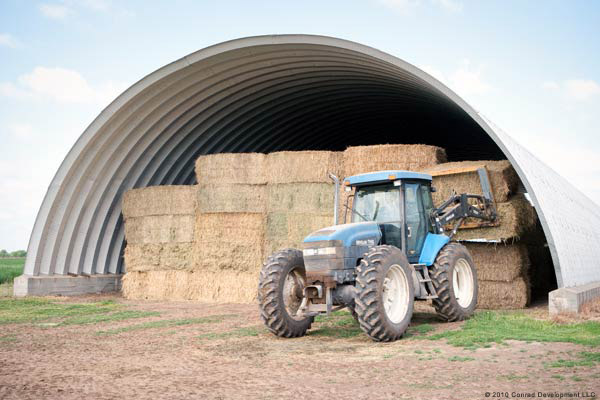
{"points": [[399, 202]]}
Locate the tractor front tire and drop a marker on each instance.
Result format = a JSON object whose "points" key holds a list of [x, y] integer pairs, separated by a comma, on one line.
{"points": [[385, 293], [280, 290], [454, 278]]}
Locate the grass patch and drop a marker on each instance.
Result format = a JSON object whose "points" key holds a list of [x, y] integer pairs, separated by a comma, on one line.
{"points": [[164, 324], [496, 327], [7, 339], [415, 331], [10, 268], [112, 317], [30, 310], [240, 332], [586, 359], [339, 325], [461, 359], [47, 313]]}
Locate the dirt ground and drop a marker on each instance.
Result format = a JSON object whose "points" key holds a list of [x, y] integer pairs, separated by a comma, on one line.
{"points": [[230, 355]]}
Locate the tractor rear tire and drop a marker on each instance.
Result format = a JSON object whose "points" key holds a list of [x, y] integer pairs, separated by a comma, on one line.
{"points": [[280, 287], [454, 278], [385, 293]]}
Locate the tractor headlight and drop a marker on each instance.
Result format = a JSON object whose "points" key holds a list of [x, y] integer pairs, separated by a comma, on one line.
{"points": [[323, 251]]}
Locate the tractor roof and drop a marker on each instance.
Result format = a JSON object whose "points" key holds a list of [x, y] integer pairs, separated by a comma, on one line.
{"points": [[384, 176]]}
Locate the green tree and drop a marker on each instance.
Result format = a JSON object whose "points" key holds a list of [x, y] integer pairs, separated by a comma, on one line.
{"points": [[4, 253], [19, 253]]}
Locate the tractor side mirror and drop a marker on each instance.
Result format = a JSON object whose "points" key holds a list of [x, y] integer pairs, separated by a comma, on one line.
{"points": [[433, 189]]}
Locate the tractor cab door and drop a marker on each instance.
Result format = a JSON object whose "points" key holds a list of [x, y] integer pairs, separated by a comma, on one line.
{"points": [[417, 203]]}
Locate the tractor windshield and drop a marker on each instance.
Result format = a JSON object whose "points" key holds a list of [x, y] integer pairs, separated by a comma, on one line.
{"points": [[380, 203]]}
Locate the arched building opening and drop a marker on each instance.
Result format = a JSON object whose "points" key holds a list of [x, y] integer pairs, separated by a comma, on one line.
{"points": [[265, 94]]}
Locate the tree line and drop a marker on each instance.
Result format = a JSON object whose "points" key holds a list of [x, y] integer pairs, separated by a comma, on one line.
{"points": [[17, 253]]}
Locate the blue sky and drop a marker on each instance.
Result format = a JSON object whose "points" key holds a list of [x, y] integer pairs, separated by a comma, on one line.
{"points": [[532, 67]]}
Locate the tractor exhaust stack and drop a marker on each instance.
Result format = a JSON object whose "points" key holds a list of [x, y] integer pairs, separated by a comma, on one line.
{"points": [[335, 197]]}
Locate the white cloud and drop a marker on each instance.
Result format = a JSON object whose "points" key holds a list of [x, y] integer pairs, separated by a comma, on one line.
{"points": [[408, 6], [579, 89], [7, 40], [9, 89], [61, 85], [450, 5], [22, 131], [436, 73], [55, 11], [97, 5], [550, 85], [468, 80], [574, 89]]}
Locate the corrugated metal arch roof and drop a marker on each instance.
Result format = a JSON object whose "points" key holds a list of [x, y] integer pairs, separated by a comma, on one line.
{"points": [[271, 93]]}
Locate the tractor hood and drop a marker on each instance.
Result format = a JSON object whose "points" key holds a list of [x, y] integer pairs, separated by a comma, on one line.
{"points": [[366, 233]]}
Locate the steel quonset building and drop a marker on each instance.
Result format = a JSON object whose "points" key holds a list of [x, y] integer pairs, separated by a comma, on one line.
{"points": [[264, 94]]}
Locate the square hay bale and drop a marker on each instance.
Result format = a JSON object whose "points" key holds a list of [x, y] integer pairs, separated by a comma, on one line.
{"points": [[232, 198], [301, 197], [411, 157], [503, 295], [164, 256], [288, 230], [214, 287], [160, 229], [159, 200], [517, 219], [248, 168], [499, 262], [229, 241], [503, 179], [303, 166]]}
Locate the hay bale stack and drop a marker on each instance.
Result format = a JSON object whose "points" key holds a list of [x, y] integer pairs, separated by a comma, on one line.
{"points": [[499, 262], [295, 210], [516, 217], [503, 179], [301, 198], [411, 157], [219, 287], [231, 198], [246, 168], [229, 241], [162, 256], [504, 295], [159, 200], [502, 274], [159, 227], [303, 166], [285, 230]]}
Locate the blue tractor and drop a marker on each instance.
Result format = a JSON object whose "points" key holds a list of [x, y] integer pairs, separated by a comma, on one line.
{"points": [[396, 249]]}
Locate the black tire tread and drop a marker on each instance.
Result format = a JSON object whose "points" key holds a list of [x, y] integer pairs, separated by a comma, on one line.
{"points": [[445, 306], [367, 310], [272, 309]]}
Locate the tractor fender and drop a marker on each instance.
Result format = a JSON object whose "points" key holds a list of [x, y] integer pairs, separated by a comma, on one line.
{"points": [[432, 246]]}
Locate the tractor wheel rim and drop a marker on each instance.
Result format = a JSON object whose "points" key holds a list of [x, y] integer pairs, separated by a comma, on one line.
{"points": [[463, 283], [293, 287], [395, 294]]}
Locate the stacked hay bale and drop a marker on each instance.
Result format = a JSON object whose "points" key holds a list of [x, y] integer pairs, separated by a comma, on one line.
{"points": [[208, 242], [502, 272], [159, 229], [502, 266], [363, 159], [230, 226], [410, 157], [300, 196]]}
